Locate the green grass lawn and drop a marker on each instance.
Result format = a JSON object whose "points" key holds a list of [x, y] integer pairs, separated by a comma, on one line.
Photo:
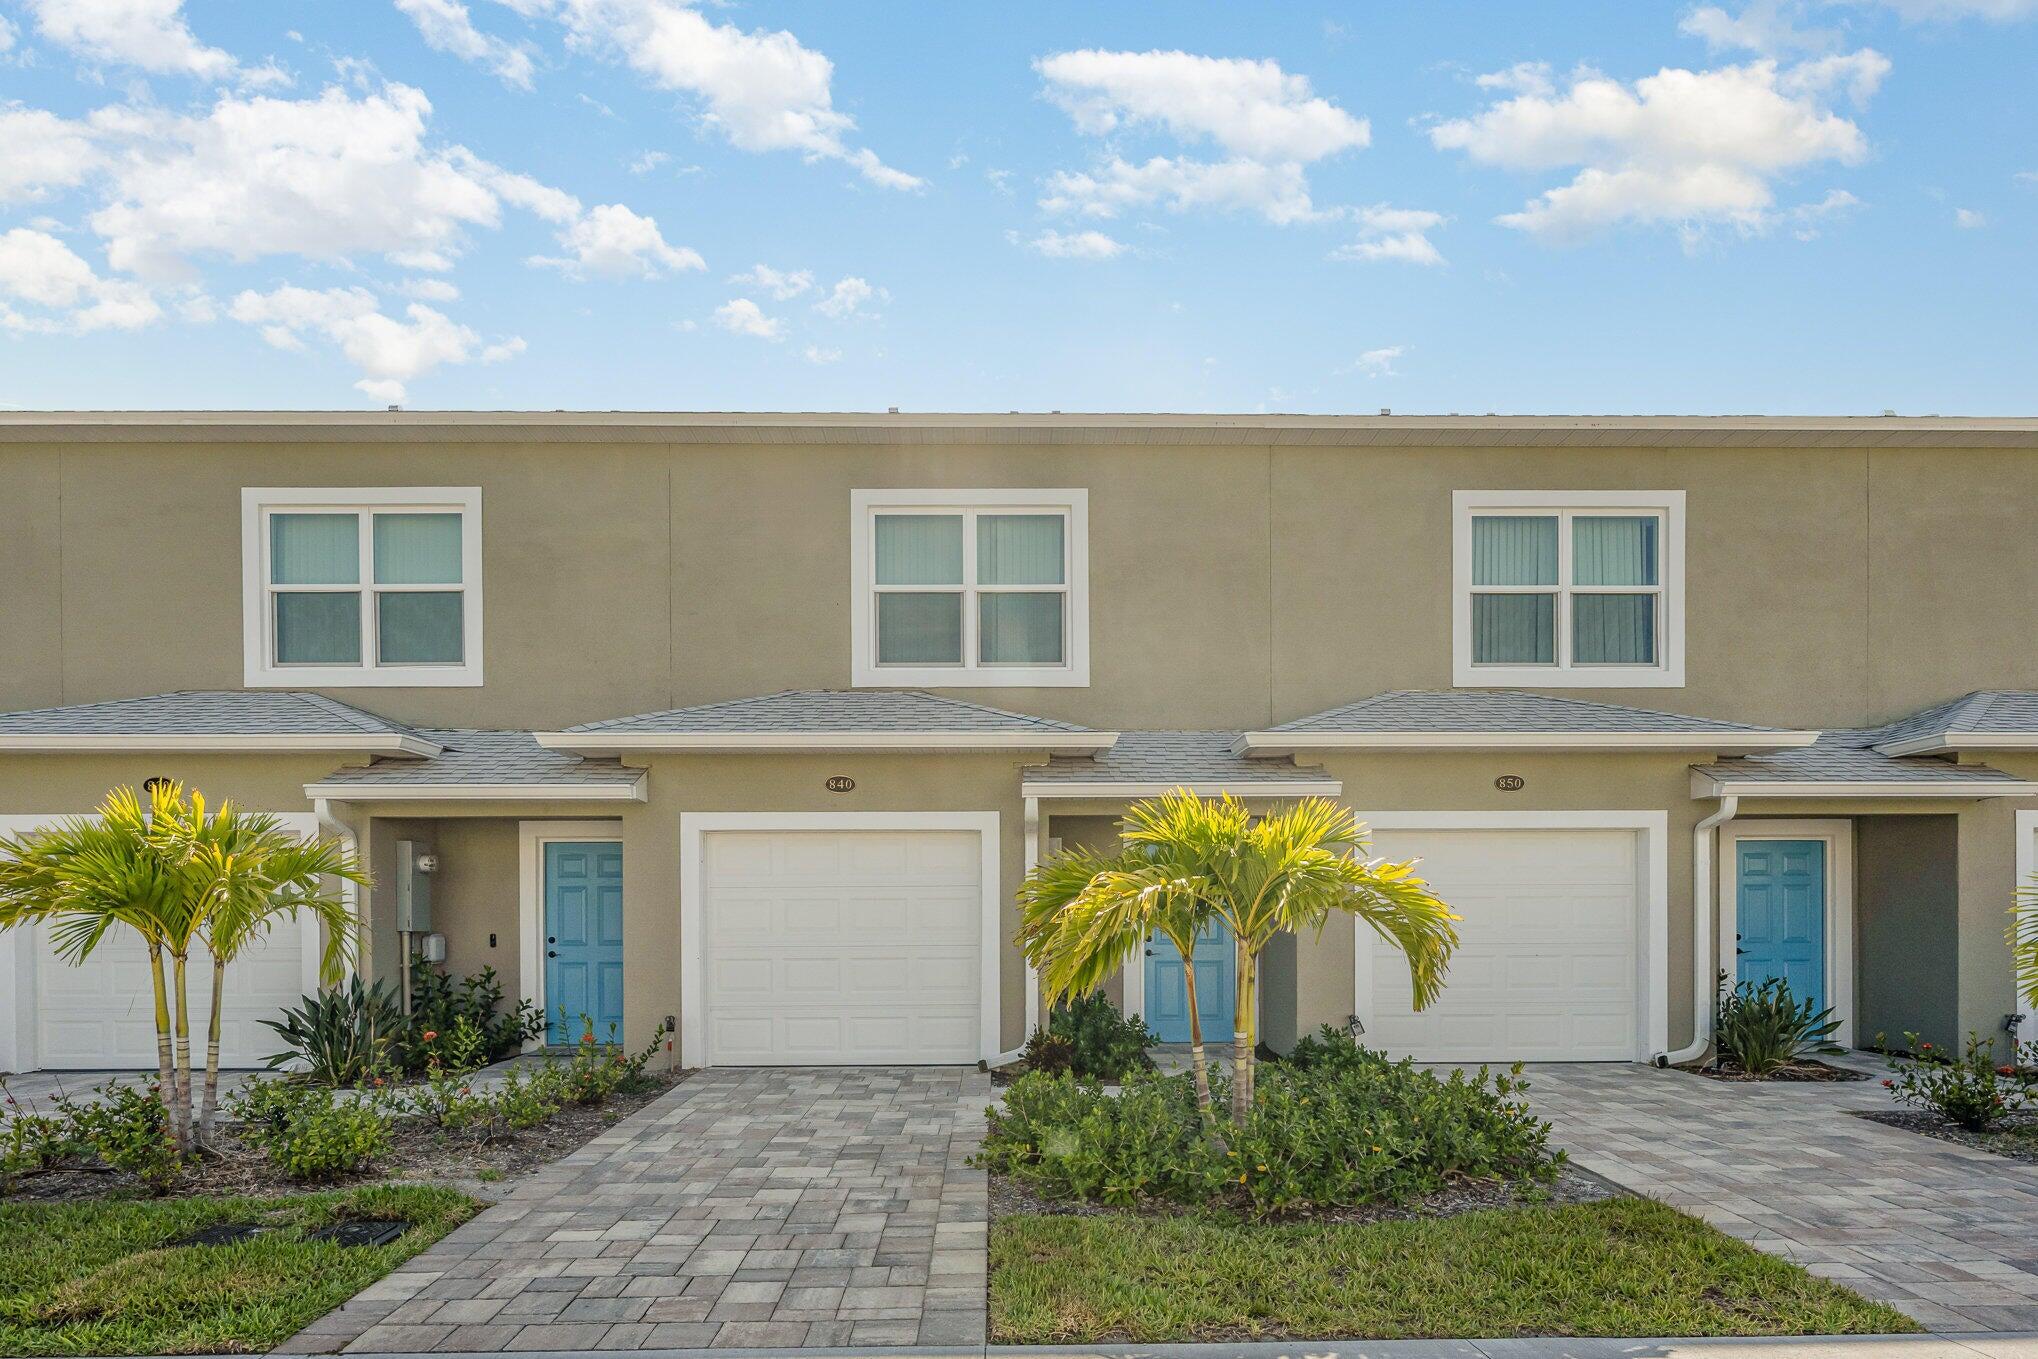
{"points": [[101, 1278], [1624, 1267]]}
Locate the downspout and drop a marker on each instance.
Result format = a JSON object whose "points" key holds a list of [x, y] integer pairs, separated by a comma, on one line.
{"points": [[330, 822], [1702, 974]]}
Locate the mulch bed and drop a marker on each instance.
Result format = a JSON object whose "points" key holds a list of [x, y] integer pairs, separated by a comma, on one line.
{"points": [[1010, 1198], [418, 1154], [1805, 1069], [2015, 1138]]}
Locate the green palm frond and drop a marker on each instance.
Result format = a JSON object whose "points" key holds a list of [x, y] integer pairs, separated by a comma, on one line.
{"points": [[2024, 942]]}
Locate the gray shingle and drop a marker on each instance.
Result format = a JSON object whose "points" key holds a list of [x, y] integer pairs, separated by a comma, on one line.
{"points": [[486, 757], [228, 712], [1198, 757], [1850, 757], [1997, 711], [1499, 710], [833, 710]]}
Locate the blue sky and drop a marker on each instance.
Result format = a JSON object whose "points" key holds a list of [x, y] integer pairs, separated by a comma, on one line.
{"points": [[1560, 207]]}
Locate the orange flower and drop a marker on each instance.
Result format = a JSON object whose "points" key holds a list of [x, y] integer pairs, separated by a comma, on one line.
{"points": [[430, 1034]]}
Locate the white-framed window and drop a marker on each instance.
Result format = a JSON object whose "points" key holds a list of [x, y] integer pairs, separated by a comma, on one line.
{"points": [[1568, 589], [359, 587], [970, 587]]}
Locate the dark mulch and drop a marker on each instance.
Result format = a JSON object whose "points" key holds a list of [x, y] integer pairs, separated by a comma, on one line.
{"points": [[1011, 1198], [1806, 1069], [418, 1154], [2015, 1138]]}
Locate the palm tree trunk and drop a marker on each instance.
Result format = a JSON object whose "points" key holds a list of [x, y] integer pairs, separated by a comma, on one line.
{"points": [[180, 1106], [166, 1071], [210, 1108], [1242, 1039], [1196, 1062]]}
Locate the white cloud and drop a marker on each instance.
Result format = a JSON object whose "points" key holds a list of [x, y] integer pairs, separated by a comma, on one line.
{"points": [[148, 34], [781, 285], [611, 241], [389, 352], [1268, 125], [7, 34], [1387, 233], [2026, 176], [1077, 245], [1000, 180], [648, 162], [429, 290], [1967, 219], [816, 354], [1805, 217], [447, 26], [1692, 148], [741, 316], [1379, 362], [2000, 10], [39, 271], [764, 91], [848, 298], [43, 152], [1770, 27]]}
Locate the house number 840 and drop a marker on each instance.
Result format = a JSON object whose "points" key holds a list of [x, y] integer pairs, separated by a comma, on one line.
{"points": [[841, 783]]}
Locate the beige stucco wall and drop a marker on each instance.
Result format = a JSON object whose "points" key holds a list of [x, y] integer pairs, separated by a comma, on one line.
{"points": [[474, 897], [1907, 928]]}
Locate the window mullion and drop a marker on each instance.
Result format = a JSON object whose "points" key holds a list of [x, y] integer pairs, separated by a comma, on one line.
{"points": [[969, 590], [370, 606]]}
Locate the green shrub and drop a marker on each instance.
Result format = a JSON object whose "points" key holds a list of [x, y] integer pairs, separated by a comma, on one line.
{"points": [[1103, 1044], [438, 1004], [1761, 1027], [31, 1140], [128, 1129], [343, 1036], [597, 1071], [310, 1131], [1052, 1053], [1970, 1090], [1344, 1127]]}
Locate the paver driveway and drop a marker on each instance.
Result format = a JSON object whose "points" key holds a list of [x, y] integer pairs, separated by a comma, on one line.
{"points": [[747, 1207], [1948, 1234]]}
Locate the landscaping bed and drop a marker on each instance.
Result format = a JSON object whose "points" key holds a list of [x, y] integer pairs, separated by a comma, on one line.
{"points": [[1618, 1267], [108, 1277], [2016, 1138], [1799, 1069]]}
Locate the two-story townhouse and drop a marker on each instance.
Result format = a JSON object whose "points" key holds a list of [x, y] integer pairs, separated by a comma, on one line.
{"points": [[757, 721]]}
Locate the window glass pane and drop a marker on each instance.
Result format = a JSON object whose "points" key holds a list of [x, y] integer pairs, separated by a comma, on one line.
{"points": [[417, 549], [919, 549], [1514, 549], [919, 629], [1514, 629], [318, 628], [419, 627], [315, 549], [1613, 629], [1019, 549], [1019, 629], [1613, 549]]}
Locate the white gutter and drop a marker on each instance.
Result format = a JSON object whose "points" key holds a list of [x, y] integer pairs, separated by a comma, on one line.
{"points": [[1101, 789], [609, 743], [332, 823], [1707, 785], [1951, 742], [1294, 742], [1703, 973], [478, 792], [368, 742]]}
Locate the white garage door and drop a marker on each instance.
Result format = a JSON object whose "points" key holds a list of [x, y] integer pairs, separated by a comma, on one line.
{"points": [[825, 948], [1546, 967], [101, 1014]]}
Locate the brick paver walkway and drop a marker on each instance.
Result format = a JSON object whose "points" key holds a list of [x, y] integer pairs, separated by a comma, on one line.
{"points": [[1948, 1234], [746, 1208]]}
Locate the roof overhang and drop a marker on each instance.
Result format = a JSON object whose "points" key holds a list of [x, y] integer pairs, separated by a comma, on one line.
{"points": [[1104, 788], [361, 743], [1952, 742], [477, 792], [614, 743], [1706, 786], [1261, 743]]}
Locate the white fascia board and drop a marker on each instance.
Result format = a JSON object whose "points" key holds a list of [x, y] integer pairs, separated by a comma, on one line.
{"points": [[791, 742], [1706, 786], [1951, 742], [368, 743], [1319, 788], [1292, 742], [477, 792]]}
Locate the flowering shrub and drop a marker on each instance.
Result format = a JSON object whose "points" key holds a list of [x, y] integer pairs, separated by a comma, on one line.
{"points": [[311, 1131], [1972, 1089]]}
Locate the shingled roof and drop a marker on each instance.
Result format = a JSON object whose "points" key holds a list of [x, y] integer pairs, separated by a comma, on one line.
{"points": [[1157, 761], [227, 719], [833, 719], [472, 764], [1416, 719], [1987, 718]]}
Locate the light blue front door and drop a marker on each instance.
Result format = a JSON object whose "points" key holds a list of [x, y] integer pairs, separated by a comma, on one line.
{"points": [[1781, 915], [1167, 997], [583, 939]]}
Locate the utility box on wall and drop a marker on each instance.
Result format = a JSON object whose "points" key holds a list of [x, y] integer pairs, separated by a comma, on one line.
{"points": [[413, 888]]}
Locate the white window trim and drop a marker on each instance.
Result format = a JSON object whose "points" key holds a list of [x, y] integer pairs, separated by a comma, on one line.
{"points": [[532, 837], [1837, 834], [1667, 673], [865, 505], [259, 669]]}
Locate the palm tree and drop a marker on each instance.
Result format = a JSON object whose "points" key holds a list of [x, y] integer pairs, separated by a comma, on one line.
{"points": [[1285, 872], [1083, 913], [177, 877], [2024, 943]]}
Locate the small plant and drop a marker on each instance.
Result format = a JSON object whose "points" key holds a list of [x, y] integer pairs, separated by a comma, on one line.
{"points": [[1103, 1044], [344, 1035], [32, 1141], [129, 1129], [1051, 1053], [446, 1097], [1970, 1090], [1761, 1027], [311, 1132], [597, 1071], [438, 1004]]}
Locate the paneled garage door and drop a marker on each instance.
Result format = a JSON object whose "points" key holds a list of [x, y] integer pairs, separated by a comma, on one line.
{"points": [[1546, 970], [841, 947]]}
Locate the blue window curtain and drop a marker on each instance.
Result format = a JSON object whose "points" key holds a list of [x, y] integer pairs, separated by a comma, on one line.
{"points": [[919, 629], [1514, 629], [1613, 629], [1019, 549], [1514, 549], [1019, 629], [417, 549], [919, 549], [315, 549], [1613, 550]]}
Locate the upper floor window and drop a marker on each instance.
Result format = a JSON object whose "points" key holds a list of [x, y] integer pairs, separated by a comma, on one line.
{"points": [[971, 587], [361, 586], [1569, 589]]}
